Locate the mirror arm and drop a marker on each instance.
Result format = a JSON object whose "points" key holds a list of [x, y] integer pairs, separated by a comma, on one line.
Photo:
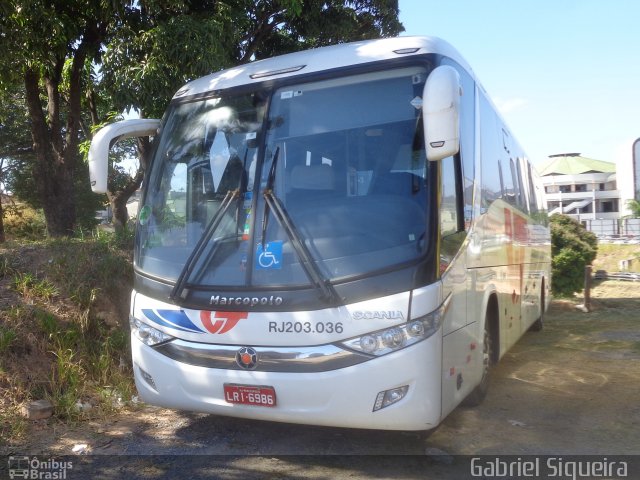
{"points": [[105, 138]]}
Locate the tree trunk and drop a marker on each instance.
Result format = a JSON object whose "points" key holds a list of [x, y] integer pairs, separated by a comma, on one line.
{"points": [[2, 237], [53, 172], [119, 209], [119, 199]]}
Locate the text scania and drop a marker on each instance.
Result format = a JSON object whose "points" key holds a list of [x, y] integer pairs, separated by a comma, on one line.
{"points": [[377, 314], [246, 301]]}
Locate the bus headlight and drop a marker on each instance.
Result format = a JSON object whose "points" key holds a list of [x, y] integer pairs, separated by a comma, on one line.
{"points": [[391, 339], [389, 397], [147, 334]]}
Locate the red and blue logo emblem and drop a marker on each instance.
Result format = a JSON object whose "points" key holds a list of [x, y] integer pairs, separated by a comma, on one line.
{"points": [[212, 322]]}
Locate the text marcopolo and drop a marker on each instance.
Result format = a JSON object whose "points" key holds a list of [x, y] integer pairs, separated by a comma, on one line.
{"points": [[246, 301]]}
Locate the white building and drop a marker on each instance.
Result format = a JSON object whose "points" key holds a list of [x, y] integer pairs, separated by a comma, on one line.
{"points": [[583, 188]]}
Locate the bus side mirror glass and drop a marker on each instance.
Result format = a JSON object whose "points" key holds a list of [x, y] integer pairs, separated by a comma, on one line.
{"points": [[441, 112], [105, 138]]}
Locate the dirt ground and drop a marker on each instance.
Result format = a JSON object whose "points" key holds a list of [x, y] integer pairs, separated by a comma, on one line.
{"points": [[571, 389]]}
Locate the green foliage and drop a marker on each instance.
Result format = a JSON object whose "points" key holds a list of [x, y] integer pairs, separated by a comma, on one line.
{"points": [[23, 185], [28, 285], [15, 136], [54, 70], [98, 57], [23, 222], [87, 202], [64, 337], [67, 378], [634, 206], [15, 142], [7, 337], [144, 67], [568, 273], [47, 322], [169, 43], [572, 248]]}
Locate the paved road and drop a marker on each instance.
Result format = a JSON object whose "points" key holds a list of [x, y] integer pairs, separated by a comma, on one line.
{"points": [[564, 391]]}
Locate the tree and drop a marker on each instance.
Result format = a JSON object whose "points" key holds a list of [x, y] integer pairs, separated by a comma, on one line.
{"points": [[164, 45], [2, 235], [147, 49], [572, 248], [15, 144], [18, 160], [269, 32], [634, 206], [46, 45]]}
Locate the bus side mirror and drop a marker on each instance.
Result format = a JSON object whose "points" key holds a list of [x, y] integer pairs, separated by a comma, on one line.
{"points": [[441, 113], [107, 136]]}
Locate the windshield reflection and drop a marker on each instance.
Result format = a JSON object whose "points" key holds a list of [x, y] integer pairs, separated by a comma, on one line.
{"points": [[350, 181]]}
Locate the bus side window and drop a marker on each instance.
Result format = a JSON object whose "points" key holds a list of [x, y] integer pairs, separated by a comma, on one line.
{"points": [[448, 207], [467, 137], [452, 225], [492, 186]]}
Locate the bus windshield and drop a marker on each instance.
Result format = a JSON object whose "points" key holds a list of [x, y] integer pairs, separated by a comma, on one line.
{"points": [[313, 182]]}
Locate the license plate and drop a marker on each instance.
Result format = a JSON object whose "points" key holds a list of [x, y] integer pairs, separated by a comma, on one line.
{"points": [[260, 396]]}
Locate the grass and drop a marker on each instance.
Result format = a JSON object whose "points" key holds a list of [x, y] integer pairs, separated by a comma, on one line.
{"points": [[7, 337], [609, 329], [610, 255], [63, 328], [28, 285]]}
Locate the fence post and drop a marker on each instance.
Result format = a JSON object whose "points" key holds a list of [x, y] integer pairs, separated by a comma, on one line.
{"points": [[587, 288]]}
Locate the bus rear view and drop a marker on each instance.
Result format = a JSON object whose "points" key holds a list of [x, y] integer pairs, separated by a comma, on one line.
{"points": [[301, 246]]}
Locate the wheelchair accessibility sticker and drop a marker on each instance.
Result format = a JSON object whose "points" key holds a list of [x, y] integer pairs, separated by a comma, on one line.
{"points": [[269, 256]]}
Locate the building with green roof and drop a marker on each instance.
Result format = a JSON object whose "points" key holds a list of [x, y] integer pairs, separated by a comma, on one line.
{"points": [[575, 164], [581, 187]]}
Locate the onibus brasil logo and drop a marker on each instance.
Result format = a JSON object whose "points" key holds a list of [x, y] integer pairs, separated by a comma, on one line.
{"points": [[34, 468]]}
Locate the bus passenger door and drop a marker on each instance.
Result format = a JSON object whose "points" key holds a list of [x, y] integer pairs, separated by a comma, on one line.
{"points": [[454, 276]]}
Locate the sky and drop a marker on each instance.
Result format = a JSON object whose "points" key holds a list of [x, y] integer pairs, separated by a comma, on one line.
{"points": [[565, 74]]}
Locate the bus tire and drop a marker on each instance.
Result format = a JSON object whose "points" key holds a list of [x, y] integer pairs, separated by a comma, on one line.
{"points": [[477, 395], [539, 323]]}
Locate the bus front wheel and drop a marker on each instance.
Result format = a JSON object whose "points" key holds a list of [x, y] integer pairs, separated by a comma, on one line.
{"points": [[539, 323], [478, 394]]}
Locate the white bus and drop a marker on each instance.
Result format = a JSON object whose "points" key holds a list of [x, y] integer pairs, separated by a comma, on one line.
{"points": [[347, 236]]}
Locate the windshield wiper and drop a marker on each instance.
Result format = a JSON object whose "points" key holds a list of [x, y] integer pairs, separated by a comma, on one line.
{"points": [[273, 203], [179, 291], [269, 188]]}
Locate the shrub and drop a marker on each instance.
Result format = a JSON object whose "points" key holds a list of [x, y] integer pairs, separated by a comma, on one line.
{"points": [[63, 329], [572, 248], [24, 222]]}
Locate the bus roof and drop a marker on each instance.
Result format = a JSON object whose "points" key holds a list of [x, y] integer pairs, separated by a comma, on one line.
{"points": [[320, 59]]}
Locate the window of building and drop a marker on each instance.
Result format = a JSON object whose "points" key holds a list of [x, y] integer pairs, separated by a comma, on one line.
{"points": [[609, 206]]}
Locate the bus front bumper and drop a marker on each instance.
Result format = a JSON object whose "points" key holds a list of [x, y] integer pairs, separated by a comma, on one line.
{"points": [[343, 397]]}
